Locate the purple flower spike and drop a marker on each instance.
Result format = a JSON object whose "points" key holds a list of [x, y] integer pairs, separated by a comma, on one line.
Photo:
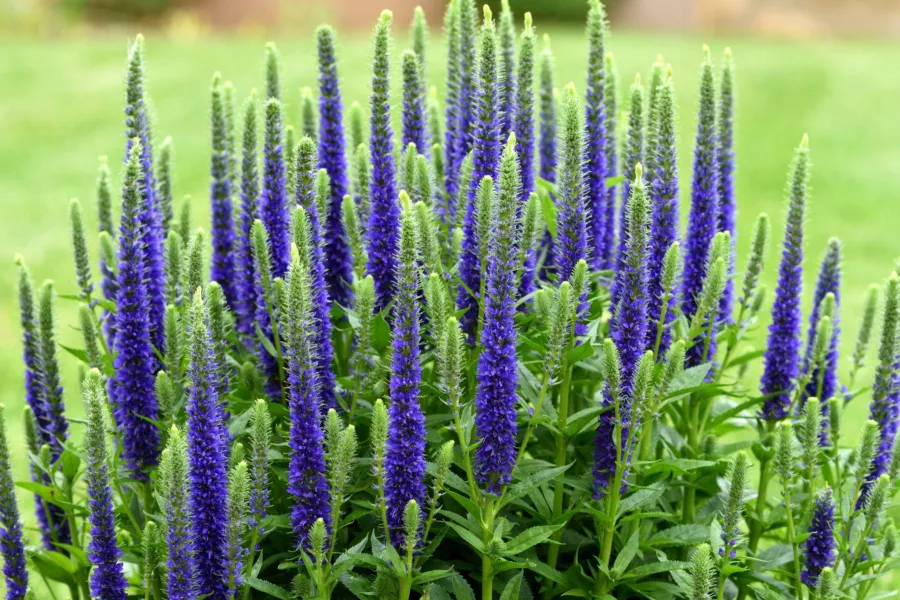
{"points": [[782, 357], [819, 546], [223, 246]]}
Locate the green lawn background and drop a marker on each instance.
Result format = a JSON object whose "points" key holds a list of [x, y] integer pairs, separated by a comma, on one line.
{"points": [[61, 106]]}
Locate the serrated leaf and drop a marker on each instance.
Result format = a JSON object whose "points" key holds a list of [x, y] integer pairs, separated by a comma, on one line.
{"points": [[641, 497], [511, 591], [469, 537], [657, 567], [626, 555], [520, 488], [680, 535], [268, 588], [688, 379], [677, 466], [530, 537], [429, 576]]}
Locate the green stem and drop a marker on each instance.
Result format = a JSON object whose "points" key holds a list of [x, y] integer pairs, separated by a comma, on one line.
{"points": [[487, 567], [792, 539], [467, 460], [723, 578], [251, 558], [537, 411], [563, 417], [756, 525], [661, 325]]}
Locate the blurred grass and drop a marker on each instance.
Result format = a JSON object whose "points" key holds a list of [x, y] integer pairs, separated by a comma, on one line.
{"points": [[61, 106]]}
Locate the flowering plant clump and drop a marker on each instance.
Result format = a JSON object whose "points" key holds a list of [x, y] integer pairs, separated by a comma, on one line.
{"points": [[478, 357]]}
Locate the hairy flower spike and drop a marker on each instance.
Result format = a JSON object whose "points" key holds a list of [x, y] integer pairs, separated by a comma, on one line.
{"points": [[137, 128], [273, 205], [758, 250], [865, 330], [245, 272], [273, 72], [495, 398], [885, 406], [703, 219], [333, 158], [89, 334], [468, 75], [663, 176], [415, 130], [104, 197], [659, 75], [265, 307], [404, 462], [596, 135], [419, 27], [571, 227], [107, 578], [782, 357], [79, 244], [222, 269], [821, 365], [135, 364], [195, 276], [507, 69], [819, 546], [174, 485], [532, 232], [15, 571], [523, 124], [207, 450], [633, 155], [308, 121], [784, 453], [486, 147], [238, 494], [350, 219], [453, 134], [725, 171], [547, 125], [734, 504], [260, 441], [384, 215], [365, 313], [701, 573]]}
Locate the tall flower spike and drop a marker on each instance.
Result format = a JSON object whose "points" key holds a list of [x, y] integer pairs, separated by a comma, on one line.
{"points": [[137, 128], [350, 217], [173, 486], [435, 132], [605, 447], [384, 215], [135, 364], [870, 306], [306, 471], [664, 225], [703, 219], [571, 226], [734, 504], [308, 122], [404, 461], [55, 424], [273, 199], [164, 184], [222, 264], [415, 125], [701, 573], [31, 348], [612, 212], [634, 154], [238, 494], [273, 72], [468, 75], [15, 571], [782, 357], [547, 151], [758, 250], [485, 160], [260, 441], [290, 160], [628, 329], [885, 406], [819, 546], [829, 282], [207, 451], [231, 134], [357, 128], [333, 158], [247, 292], [658, 76], [507, 42], [523, 124], [532, 232], [104, 197], [419, 28], [596, 170], [725, 168], [495, 398], [107, 578], [265, 307], [452, 132], [80, 251], [314, 252]]}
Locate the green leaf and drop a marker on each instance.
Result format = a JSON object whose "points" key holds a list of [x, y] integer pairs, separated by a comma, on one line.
{"points": [[582, 418], [267, 344], [530, 537], [269, 588], [626, 555], [688, 379], [469, 537], [49, 566], [77, 353], [429, 576], [735, 410], [549, 211], [641, 497], [533, 481], [677, 466], [511, 591], [657, 567], [680, 535], [579, 353]]}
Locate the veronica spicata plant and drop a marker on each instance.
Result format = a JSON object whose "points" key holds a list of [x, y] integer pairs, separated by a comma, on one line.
{"points": [[460, 359]]}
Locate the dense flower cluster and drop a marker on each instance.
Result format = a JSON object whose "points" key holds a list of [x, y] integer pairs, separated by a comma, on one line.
{"points": [[494, 363]]}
